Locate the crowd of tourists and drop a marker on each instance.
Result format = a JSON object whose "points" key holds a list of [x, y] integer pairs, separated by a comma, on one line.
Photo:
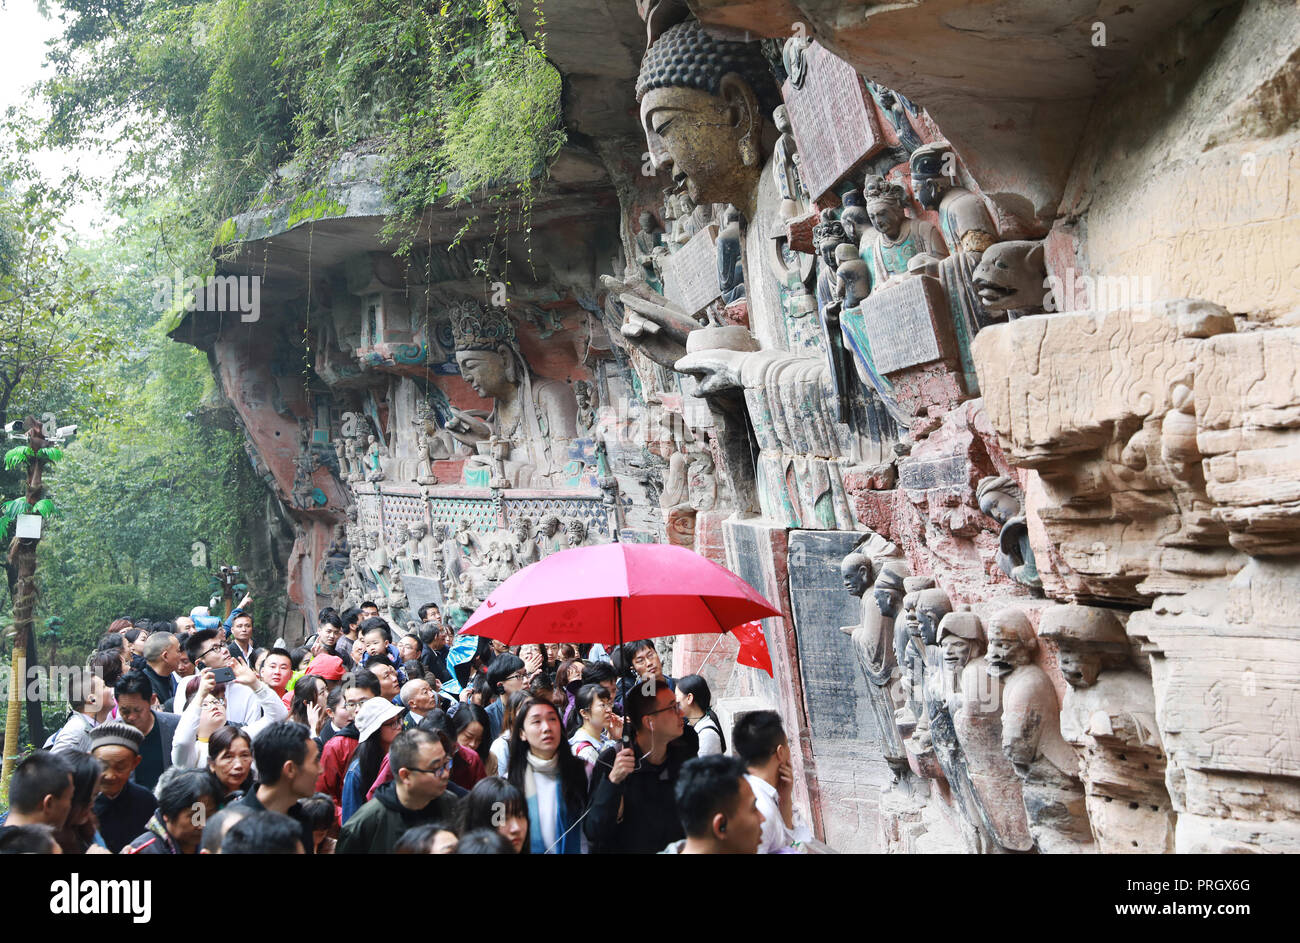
{"points": [[184, 738]]}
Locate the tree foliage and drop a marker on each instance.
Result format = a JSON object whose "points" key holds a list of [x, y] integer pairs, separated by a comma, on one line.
{"points": [[215, 96]]}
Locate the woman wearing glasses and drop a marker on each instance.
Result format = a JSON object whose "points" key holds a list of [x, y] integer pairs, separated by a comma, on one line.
{"points": [[207, 710]]}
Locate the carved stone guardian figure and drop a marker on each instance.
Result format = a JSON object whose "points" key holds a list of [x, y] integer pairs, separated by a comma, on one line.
{"points": [[873, 636], [1108, 715], [1032, 741], [978, 725]]}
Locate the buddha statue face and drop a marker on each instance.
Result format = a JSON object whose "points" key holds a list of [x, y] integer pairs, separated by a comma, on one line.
{"points": [[696, 137], [999, 505], [491, 373], [929, 190], [702, 118], [856, 572], [416, 531], [889, 601]]}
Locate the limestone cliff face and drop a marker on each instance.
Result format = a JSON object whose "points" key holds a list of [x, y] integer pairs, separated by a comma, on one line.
{"points": [[984, 375]]}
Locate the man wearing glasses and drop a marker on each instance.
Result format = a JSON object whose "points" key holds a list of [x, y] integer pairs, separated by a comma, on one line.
{"points": [[505, 675], [249, 700], [641, 780], [417, 795]]}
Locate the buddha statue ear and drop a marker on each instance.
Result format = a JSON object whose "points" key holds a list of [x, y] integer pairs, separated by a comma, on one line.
{"points": [[511, 364], [744, 116]]}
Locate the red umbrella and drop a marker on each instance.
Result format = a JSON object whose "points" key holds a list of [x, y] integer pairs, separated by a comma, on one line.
{"points": [[616, 591]]}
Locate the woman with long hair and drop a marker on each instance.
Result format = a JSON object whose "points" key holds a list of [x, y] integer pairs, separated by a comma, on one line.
{"points": [[495, 804], [471, 725], [308, 705], [80, 831], [500, 748], [553, 780], [230, 759], [598, 724], [694, 699]]}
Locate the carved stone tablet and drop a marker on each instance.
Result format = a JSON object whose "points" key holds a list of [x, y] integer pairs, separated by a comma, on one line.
{"points": [[901, 323], [833, 120], [691, 273]]}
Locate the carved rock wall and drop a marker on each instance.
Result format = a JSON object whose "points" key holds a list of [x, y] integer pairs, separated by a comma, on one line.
{"points": [[1036, 569]]}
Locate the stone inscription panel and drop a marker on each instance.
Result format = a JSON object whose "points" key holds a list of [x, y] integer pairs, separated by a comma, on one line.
{"points": [[833, 120], [899, 321], [691, 273], [835, 689]]}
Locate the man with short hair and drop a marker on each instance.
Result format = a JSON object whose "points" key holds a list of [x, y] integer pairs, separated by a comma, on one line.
{"points": [[40, 791], [717, 808], [421, 764], [328, 635], [187, 798], [123, 808], [184, 624], [134, 706], [277, 669], [288, 764], [249, 700], [505, 676], [29, 840], [602, 673], [214, 832], [351, 619], [265, 833], [640, 780], [419, 698], [87, 695], [241, 635], [368, 610], [760, 742], [162, 656]]}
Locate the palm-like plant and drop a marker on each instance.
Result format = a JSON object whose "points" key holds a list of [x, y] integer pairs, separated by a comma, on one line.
{"points": [[36, 455]]}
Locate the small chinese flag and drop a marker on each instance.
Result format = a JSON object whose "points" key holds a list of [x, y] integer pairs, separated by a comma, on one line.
{"points": [[753, 647]]}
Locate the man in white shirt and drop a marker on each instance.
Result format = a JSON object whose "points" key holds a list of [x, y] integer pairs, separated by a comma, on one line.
{"points": [[86, 695], [761, 743], [243, 705]]}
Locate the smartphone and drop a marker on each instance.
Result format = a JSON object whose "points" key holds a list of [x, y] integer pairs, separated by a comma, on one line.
{"points": [[223, 675]]}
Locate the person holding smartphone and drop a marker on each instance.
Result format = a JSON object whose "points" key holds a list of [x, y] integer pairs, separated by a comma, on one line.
{"points": [[249, 699]]}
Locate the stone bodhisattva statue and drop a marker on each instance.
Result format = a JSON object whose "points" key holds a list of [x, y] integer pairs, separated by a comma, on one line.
{"points": [[894, 237], [525, 435], [968, 230]]}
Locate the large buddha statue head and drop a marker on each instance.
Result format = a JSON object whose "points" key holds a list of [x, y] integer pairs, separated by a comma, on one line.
{"points": [[485, 350], [702, 106]]}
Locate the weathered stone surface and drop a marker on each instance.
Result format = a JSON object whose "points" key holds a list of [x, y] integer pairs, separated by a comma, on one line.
{"points": [[846, 739], [1082, 398]]}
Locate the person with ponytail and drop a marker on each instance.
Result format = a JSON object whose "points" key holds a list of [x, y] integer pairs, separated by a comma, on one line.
{"points": [[694, 698]]}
